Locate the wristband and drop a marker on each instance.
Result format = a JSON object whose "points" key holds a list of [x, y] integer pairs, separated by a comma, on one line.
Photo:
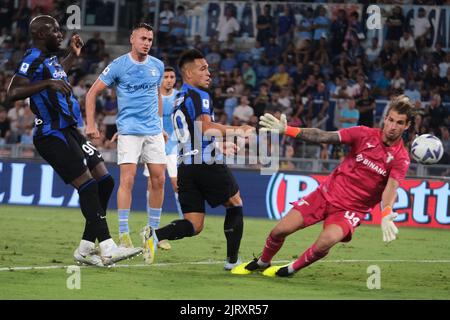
{"points": [[292, 131], [386, 211]]}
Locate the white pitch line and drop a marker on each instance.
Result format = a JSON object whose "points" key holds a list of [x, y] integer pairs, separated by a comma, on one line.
{"points": [[211, 263]]}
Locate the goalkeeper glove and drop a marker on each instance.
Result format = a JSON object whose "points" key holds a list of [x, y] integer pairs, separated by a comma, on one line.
{"points": [[269, 122], [388, 227]]}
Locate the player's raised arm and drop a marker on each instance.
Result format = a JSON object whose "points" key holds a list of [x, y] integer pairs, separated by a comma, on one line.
{"points": [[268, 121], [91, 97], [75, 45]]}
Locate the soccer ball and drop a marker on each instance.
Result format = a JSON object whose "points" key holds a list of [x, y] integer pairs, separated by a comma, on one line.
{"points": [[427, 149]]}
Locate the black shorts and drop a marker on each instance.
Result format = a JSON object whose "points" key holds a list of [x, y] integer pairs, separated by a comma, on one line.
{"points": [[68, 152], [199, 182]]}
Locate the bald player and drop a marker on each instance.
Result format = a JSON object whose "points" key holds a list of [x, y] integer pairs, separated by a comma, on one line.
{"points": [[42, 77]]}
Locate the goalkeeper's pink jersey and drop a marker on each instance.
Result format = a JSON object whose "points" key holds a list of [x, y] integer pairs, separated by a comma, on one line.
{"points": [[359, 181]]}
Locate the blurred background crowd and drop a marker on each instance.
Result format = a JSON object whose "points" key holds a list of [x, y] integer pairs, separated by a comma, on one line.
{"points": [[316, 66]]}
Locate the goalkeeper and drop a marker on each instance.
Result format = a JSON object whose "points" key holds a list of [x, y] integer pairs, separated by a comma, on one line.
{"points": [[370, 173]]}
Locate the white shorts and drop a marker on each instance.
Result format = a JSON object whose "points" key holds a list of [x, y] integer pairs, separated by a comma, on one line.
{"points": [[149, 149], [171, 166]]}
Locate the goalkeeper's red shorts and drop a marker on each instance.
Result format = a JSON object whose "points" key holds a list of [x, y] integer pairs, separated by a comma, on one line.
{"points": [[315, 208]]}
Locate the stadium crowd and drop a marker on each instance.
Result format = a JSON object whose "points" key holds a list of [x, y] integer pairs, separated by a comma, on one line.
{"points": [[319, 70]]}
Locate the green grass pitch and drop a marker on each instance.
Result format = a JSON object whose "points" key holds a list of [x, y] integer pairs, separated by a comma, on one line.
{"points": [[416, 266]]}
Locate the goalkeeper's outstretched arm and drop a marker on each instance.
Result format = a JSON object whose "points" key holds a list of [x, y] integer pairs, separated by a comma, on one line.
{"points": [[318, 136], [315, 135]]}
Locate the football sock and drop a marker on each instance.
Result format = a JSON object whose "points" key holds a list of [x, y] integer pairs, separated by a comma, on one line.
{"points": [[123, 220], [309, 256], [273, 245], [177, 203], [175, 230], [154, 216], [96, 226], [233, 227], [105, 189]]}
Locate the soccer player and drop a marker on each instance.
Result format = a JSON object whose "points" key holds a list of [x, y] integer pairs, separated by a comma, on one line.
{"points": [[200, 175], [168, 94], [370, 173], [137, 77], [42, 77]]}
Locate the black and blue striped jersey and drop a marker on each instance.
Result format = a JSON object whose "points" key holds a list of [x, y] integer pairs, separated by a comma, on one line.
{"points": [[54, 111], [193, 146]]}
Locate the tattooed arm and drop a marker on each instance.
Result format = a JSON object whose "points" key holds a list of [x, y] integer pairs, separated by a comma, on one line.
{"points": [[319, 136], [269, 122]]}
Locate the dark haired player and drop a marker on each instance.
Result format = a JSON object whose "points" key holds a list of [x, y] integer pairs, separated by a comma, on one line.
{"points": [[201, 176]]}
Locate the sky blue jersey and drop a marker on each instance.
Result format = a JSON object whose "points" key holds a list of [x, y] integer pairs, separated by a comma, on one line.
{"points": [[168, 104], [137, 85]]}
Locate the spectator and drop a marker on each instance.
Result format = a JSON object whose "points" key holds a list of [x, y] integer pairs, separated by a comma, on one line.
{"points": [[248, 74], [395, 23], [80, 89], [6, 13], [383, 84], [5, 128], [214, 57], [286, 25], [320, 105], [243, 111], [109, 111], [355, 29], [265, 24], [262, 100], [444, 66], [412, 91], [343, 91], [281, 77], [228, 25], [398, 82], [445, 138], [338, 31], [349, 116], [374, 50], [273, 50], [366, 107], [230, 44], [13, 117], [436, 114], [256, 52], [285, 100], [321, 25], [93, 51], [178, 24], [445, 87], [229, 63], [287, 163], [421, 24], [304, 30], [230, 104], [407, 42], [165, 15], [25, 122]]}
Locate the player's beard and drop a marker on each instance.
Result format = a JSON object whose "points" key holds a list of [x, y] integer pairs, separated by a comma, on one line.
{"points": [[393, 137]]}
